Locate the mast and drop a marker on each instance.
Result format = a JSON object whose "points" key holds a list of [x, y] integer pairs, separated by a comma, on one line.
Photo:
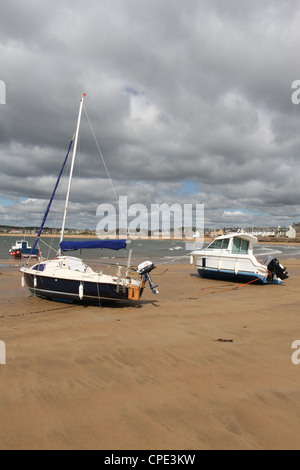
{"points": [[72, 171]]}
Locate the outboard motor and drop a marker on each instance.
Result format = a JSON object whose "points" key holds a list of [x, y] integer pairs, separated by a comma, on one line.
{"points": [[275, 268], [144, 270]]}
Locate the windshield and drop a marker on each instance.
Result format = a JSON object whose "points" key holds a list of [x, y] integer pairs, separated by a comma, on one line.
{"points": [[240, 246], [222, 244]]}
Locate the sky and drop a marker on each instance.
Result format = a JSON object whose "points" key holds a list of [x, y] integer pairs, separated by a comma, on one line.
{"points": [[190, 102]]}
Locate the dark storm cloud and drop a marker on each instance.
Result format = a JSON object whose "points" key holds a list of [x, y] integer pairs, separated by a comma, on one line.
{"points": [[177, 92]]}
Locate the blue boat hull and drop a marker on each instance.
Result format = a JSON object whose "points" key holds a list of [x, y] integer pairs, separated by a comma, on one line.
{"points": [[230, 276], [25, 253], [63, 290]]}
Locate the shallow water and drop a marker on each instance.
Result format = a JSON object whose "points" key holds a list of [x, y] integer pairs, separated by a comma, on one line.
{"points": [[162, 251]]}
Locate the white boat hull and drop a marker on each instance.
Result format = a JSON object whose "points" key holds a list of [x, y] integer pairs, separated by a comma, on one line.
{"points": [[239, 269], [231, 258]]}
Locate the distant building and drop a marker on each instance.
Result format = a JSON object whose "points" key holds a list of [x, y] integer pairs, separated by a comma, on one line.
{"points": [[227, 230], [262, 232], [286, 232], [297, 228], [291, 233], [216, 233]]}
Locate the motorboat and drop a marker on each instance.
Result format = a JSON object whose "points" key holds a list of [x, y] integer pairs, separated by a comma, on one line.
{"points": [[69, 279], [231, 258], [21, 249]]}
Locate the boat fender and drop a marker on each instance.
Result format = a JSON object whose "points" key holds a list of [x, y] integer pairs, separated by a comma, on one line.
{"points": [[236, 268], [23, 281], [192, 260], [81, 291]]}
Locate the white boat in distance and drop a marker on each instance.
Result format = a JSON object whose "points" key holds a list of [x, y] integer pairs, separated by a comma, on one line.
{"points": [[69, 279], [231, 258]]}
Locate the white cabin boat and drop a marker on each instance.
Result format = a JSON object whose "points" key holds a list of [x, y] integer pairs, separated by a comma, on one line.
{"points": [[231, 258]]}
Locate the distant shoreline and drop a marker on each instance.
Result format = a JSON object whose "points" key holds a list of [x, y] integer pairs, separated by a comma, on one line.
{"points": [[262, 241], [94, 237]]}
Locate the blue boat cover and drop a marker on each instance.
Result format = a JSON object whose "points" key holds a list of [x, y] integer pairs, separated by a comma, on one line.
{"points": [[90, 245]]}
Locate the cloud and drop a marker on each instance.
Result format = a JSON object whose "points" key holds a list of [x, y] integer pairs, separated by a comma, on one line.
{"points": [[197, 94], [234, 214]]}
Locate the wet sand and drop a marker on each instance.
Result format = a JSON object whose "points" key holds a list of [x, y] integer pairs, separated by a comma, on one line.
{"points": [[154, 375]]}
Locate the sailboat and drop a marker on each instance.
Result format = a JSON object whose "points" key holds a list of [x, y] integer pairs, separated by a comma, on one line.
{"points": [[68, 279]]}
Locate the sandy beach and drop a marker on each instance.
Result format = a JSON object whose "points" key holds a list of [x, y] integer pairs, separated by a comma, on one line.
{"points": [[153, 375]]}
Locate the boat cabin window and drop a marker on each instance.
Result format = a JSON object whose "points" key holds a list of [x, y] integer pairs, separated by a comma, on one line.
{"points": [[240, 246], [39, 267], [219, 244]]}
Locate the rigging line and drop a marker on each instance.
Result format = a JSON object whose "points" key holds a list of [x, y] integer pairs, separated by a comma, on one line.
{"points": [[48, 246], [103, 161], [51, 200]]}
